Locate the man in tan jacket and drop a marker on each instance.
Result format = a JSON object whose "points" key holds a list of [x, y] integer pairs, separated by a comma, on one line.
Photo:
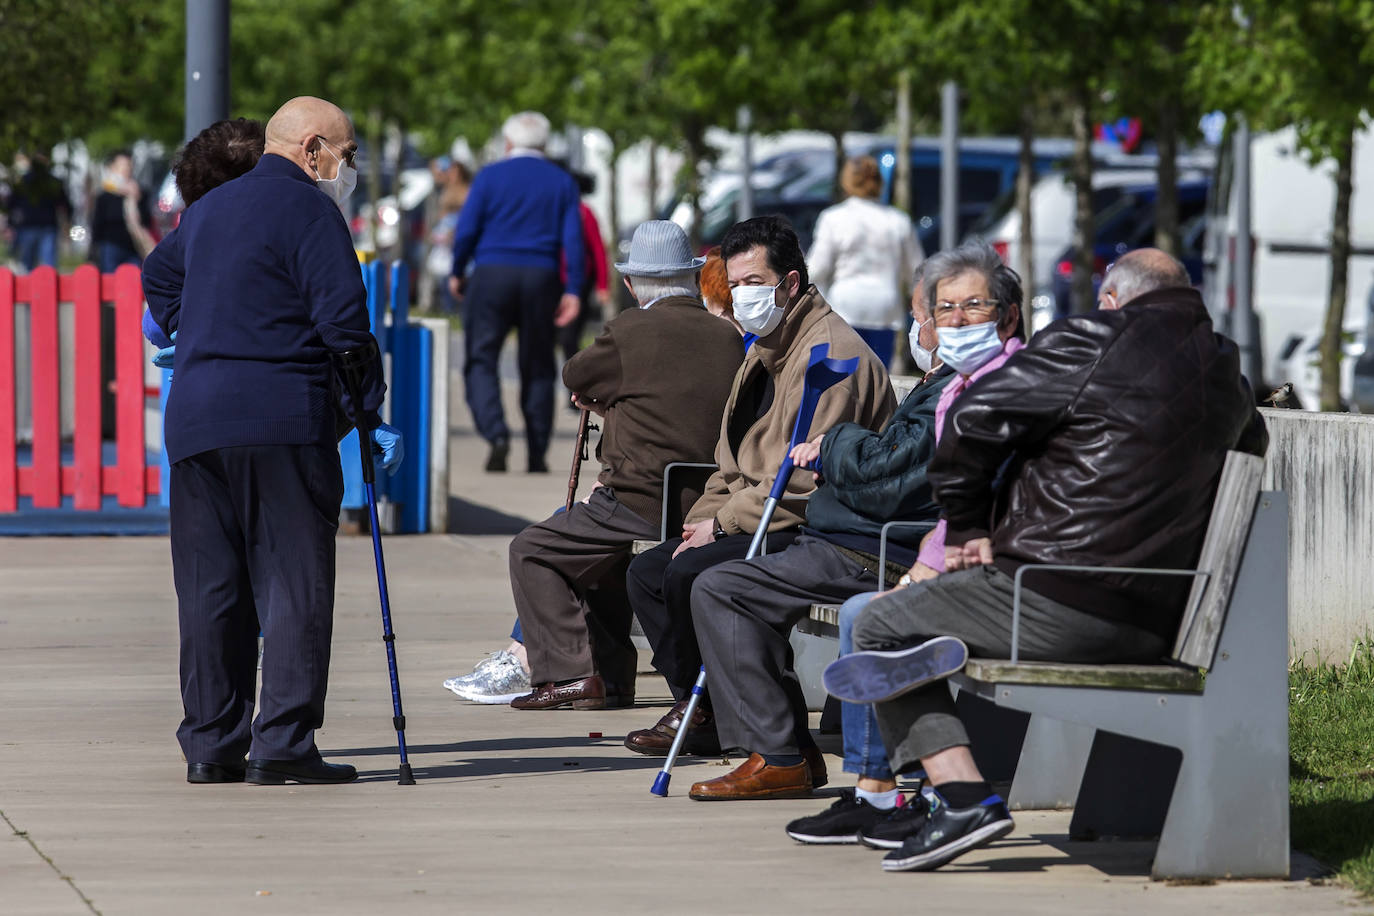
{"points": [[774, 300]]}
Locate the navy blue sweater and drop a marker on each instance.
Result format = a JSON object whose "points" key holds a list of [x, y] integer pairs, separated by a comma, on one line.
{"points": [[261, 283], [522, 211]]}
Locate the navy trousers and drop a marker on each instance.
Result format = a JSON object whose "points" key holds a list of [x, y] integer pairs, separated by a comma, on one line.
{"points": [[500, 298], [253, 531]]}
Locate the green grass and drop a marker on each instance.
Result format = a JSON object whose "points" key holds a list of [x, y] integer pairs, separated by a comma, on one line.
{"points": [[1331, 770]]}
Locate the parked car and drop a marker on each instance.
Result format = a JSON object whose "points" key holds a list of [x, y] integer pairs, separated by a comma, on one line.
{"points": [[1054, 208], [1129, 222]]}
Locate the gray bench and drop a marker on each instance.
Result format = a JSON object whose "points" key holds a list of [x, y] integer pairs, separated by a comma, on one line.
{"points": [[1218, 710]]}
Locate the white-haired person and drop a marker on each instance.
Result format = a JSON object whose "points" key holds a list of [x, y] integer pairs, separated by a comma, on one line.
{"points": [[521, 218]]}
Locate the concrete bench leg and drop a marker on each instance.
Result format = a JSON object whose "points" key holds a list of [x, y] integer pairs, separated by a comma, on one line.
{"points": [[1052, 762]]}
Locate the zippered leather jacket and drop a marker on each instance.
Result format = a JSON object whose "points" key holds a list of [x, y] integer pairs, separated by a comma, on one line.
{"points": [[1117, 424]]}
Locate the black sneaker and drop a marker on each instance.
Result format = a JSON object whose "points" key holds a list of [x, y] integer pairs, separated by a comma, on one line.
{"points": [[949, 833], [892, 830], [840, 823]]}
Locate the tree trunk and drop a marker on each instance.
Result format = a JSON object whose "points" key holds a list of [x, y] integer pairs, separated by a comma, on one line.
{"points": [[1082, 174], [838, 137], [613, 292], [901, 174], [1333, 331], [1166, 204], [1025, 178], [692, 137], [402, 229], [376, 140], [653, 180]]}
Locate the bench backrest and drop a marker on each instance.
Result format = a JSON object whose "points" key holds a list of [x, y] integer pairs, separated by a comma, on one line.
{"points": [[1227, 532]]}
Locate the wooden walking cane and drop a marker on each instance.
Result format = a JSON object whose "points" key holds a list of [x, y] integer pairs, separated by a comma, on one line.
{"points": [[579, 455]]}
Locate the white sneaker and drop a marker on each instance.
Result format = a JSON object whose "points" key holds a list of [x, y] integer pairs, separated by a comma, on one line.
{"points": [[497, 679]]}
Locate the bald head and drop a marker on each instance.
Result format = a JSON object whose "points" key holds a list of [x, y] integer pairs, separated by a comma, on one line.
{"points": [[1139, 272], [295, 132]]}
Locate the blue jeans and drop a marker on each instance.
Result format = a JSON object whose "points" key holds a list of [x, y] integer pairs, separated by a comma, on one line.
{"points": [[864, 753], [36, 246]]}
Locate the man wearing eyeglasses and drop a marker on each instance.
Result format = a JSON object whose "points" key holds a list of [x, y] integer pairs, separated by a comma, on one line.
{"points": [[260, 285]]}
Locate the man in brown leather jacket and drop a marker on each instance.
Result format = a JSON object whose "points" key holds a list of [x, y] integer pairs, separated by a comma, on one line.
{"points": [[1113, 427]]}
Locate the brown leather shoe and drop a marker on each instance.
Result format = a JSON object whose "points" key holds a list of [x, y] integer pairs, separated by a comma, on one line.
{"points": [[756, 779], [588, 693], [815, 761], [656, 741]]}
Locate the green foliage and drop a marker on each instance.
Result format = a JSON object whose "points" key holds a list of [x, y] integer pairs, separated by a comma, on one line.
{"points": [[1331, 744]]}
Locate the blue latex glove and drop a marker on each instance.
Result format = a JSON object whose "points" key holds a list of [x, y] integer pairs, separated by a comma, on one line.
{"points": [[389, 444], [163, 358]]}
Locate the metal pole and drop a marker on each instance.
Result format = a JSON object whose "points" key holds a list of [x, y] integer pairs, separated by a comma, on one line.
{"points": [[949, 165], [207, 64], [1244, 323], [746, 191]]}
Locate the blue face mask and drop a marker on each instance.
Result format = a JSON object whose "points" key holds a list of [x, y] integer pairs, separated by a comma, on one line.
{"points": [[967, 349]]}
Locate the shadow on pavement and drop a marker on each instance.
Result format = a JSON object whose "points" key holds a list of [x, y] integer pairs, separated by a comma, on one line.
{"points": [[505, 767], [470, 518]]}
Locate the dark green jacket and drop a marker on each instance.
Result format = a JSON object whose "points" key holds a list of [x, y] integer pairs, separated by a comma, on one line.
{"points": [[872, 478]]}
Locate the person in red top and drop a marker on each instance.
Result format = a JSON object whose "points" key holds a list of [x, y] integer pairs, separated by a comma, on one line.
{"points": [[594, 274]]}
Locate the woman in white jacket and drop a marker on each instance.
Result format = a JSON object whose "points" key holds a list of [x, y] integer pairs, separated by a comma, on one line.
{"points": [[864, 256]]}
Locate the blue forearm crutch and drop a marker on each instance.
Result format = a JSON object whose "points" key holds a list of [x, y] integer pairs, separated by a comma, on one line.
{"points": [[353, 365], [821, 373]]}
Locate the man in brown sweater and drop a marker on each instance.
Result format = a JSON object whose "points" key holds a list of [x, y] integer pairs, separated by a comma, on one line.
{"points": [[772, 298], [659, 376]]}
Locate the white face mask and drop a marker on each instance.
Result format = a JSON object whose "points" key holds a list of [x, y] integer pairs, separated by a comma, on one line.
{"points": [[342, 184], [925, 359], [755, 308], [967, 349]]}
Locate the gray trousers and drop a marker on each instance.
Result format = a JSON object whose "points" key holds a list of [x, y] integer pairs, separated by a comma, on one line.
{"points": [[567, 575], [975, 606], [743, 611]]}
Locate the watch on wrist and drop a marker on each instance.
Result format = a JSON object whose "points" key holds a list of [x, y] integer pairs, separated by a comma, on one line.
{"points": [[718, 531], [904, 581]]}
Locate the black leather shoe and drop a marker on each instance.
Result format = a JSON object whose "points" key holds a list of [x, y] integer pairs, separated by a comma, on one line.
{"points": [[308, 772], [200, 773], [496, 459]]}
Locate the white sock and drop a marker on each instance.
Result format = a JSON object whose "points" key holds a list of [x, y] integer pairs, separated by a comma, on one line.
{"points": [[884, 801]]}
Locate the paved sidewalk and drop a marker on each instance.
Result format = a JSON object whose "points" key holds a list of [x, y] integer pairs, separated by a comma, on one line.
{"points": [[514, 811]]}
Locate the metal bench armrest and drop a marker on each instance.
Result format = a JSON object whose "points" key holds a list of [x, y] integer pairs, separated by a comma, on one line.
{"points": [[882, 548], [1068, 567], [667, 479]]}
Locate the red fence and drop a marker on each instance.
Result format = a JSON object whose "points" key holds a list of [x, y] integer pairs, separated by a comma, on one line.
{"points": [[47, 480]]}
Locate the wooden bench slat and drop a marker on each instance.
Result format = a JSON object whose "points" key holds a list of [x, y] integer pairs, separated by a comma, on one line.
{"points": [[1059, 674], [639, 547], [825, 613], [1232, 513]]}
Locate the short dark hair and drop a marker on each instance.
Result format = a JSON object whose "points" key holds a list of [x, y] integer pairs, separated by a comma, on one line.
{"points": [[222, 151], [779, 241]]}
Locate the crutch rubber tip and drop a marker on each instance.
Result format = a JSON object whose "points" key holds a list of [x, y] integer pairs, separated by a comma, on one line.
{"points": [[661, 784], [407, 777]]}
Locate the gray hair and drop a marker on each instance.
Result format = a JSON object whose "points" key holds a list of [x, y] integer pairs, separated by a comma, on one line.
{"points": [[647, 289], [526, 129], [918, 278], [1146, 270], [973, 256]]}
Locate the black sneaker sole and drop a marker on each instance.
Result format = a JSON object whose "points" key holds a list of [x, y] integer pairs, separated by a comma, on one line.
{"points": [[875, 677], [832, 840], [933, 859], [260, 777]]}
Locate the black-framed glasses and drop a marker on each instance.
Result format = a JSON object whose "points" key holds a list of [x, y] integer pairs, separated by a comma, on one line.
{"points": [[975, 307]]}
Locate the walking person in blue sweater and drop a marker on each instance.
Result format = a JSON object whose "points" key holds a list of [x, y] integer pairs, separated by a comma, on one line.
{"points": [[520, 216], [261, 286]]}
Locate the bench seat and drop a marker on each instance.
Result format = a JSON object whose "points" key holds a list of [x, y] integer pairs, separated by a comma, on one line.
{"points": [[1169, 678]]}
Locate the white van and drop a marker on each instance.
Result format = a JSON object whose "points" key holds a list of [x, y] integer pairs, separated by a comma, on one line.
{"points": [[1291, 203]]}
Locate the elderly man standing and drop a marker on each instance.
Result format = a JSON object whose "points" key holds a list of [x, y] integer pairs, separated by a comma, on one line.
{"points": [[659, 375], [1119, 422], [774, 299], [261, 286], [520, 216]]}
